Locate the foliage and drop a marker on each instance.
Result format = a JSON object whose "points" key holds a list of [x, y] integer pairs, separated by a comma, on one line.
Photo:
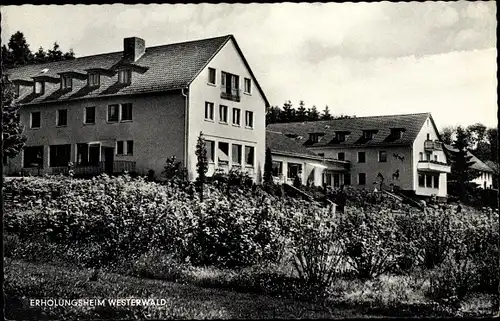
{"points": [[18, 53], [287, 113], [174, 170], [326, 114], [268, 167], [202, 163], [12, 129], [461, 163]]}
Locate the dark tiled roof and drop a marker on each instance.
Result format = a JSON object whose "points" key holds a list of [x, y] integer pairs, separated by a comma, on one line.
{"points": [[478, 164], [412, 123], [169, 67], [279, 143]]}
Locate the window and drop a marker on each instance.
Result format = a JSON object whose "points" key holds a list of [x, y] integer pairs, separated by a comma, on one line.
{"points": [[428, 136], [249, 119], [341, 156], [249, 155], [421, 180], [277, 168], [125, 76], [361, 157], [321, 154], [223, 114], [421, 156], [382, 156], [428, 180], [62, 117], [33, 156], [89, 115], [362, 179], [368, 134], [209, 111], [94, 153], [427, 156], [16, 90], [236, 116], [94, 80], [347, 179], [397, 133], [236, 154], [59, 155], [66, 82], [223, 153], [230, 86], [435, 158], [436, 181], [130, 147], [119, 147], [126, 112], [211, 76], [39, 87], [210, 147], [82, 154], [248, 85], [35, 121], [113, 113], [294, 170], [340, 136]]}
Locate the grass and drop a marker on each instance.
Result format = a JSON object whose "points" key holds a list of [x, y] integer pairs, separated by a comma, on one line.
{"points": [[24, 281]]}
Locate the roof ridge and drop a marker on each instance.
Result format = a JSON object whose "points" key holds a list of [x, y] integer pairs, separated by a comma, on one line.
{"points": [[117, 52], [351, 118]]}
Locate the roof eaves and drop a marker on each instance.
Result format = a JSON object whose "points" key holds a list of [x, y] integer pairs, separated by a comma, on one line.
{"points": [[298, 155]]}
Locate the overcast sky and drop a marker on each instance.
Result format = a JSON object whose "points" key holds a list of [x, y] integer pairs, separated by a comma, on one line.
{"points": [[358, 58]]}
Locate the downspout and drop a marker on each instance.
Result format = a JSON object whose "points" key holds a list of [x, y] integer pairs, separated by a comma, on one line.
{"points": [[186, 122]]}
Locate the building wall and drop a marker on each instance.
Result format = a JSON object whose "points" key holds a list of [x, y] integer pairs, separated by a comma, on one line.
{"points": [[398, 159], [157, 129], [308, 166], [418, 147], [485, 178], [200, 91]]}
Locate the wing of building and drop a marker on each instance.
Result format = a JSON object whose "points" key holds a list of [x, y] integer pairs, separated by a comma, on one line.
{"points": [[404, 151], [131, 110]]}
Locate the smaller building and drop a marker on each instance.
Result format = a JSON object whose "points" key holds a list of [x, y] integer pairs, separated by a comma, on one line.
{"points": [[485, 172], [291, 160]]}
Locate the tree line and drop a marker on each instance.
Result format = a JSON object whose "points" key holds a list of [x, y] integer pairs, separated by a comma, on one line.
{"points": [[288, 113], [17, 53]]}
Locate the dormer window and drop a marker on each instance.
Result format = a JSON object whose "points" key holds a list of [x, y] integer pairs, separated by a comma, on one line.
{"points": [[368, 134], [397, 133], [315, 137], [66, 83], [125, 76], [94, 79], [39, 87], [340, 136]]}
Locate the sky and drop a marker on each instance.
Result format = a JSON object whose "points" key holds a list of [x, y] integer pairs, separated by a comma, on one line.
{"points": [[360, 59]]}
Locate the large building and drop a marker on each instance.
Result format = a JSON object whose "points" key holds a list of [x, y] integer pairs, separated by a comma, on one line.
{"points": [[402, 151], [131, 110]]}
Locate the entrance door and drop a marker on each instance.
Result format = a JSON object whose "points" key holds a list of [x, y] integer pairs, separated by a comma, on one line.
{"points": [[109, 157]]}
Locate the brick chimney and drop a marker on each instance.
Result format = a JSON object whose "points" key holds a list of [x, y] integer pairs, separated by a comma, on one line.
{"points": [[133, 48]]}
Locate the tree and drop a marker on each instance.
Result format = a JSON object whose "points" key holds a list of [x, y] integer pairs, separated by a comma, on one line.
{"points": [[7, 58], [447, 134], [40, 56], [55, 54], [312, 113], [461, 172], [492, 136], [12, 131], [69, 55], [326, 114], [202, 163], [273, 115], [268, 167], [301, 114], [288, 112], [20, 51]]}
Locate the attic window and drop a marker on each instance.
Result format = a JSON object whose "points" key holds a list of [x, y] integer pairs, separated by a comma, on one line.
{"points": [[397, 133], [39, 87], [94, 79], [340, 136], [125, 76], [315, 137], [368, 134], [66, 82]]}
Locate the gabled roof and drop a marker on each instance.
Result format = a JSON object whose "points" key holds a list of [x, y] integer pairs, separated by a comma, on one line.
{"points": [[280, 144], [412, 123], [166, 67], [478, 164]]}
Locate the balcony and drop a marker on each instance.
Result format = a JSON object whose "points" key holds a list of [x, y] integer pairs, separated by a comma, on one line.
{"points": [[433, 166], [431, 145], [232, 94]]}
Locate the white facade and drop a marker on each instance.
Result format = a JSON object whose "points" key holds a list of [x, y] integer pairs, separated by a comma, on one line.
{"points": [[484, 180]]}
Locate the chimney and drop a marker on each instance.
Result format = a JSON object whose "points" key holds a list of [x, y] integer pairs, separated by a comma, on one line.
{"points": [[133, 48]]}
